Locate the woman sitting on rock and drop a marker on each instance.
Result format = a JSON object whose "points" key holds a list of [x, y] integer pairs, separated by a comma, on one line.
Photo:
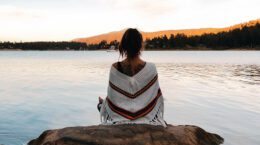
{"points": [[133, 95]]}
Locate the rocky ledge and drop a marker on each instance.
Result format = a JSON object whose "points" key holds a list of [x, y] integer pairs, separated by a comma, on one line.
{"points": [[128, 135]]}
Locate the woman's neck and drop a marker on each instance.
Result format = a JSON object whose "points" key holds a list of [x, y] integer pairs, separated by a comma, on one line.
{"points": [[133, 61], [132, 66]]}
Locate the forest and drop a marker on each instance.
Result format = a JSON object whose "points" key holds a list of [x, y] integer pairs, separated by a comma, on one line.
{"points": [[43, 46], [246, 37]]}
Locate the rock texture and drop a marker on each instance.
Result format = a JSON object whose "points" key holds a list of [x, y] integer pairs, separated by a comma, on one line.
{"points": [[128, 135]]}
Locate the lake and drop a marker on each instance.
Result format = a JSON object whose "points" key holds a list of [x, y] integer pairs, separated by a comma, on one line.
{"points": [[216, 90]]}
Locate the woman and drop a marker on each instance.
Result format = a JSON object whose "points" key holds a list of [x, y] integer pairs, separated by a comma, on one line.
{"points": [[134, 95]]}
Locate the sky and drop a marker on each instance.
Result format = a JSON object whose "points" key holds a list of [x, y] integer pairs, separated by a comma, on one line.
{"points": [[64, 20]]}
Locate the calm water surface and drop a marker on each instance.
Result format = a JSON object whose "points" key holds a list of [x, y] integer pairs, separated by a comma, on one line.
{"points": [[218, 91]]}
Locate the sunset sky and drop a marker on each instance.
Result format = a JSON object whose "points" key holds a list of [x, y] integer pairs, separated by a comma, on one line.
{"points": [[56, 20]]}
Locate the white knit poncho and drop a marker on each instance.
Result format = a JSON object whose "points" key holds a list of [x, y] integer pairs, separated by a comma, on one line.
{"points": [[133, 99]]}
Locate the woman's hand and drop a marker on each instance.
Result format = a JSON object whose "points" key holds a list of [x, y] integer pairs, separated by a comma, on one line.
{"points": [[100, 100]]}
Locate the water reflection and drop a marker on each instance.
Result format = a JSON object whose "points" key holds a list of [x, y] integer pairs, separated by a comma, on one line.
{"points": [[59, 89], [248, 73]]}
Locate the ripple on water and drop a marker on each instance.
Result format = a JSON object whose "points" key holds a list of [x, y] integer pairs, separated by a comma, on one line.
{"points": [[46, 90]]}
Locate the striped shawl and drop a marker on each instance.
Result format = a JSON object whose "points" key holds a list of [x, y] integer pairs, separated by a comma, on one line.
{"points": [[133, 100]]}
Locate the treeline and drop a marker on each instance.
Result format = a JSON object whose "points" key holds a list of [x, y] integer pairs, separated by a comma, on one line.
{"points": [[103, 45], [43, 45], [248, 37], [57, 45]]}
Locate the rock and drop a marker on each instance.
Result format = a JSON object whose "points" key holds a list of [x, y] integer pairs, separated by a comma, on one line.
{"points": [[128, 135]]}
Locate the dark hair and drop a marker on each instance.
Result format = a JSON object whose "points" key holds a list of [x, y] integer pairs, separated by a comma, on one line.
{"points": [[131, 43]]}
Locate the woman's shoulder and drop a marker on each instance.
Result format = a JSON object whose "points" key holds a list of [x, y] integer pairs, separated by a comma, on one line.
{"points": [[114, 64], [151, 66]]}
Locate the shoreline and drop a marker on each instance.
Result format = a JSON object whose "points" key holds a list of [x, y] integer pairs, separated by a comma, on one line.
{"points": [[235, 49]]}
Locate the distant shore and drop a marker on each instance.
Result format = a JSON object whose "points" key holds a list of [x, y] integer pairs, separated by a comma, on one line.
{"points": [[159, 49], [244, 38]]}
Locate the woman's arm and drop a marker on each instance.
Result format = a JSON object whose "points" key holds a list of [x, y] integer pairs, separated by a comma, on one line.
{"points": [[100, 101]]}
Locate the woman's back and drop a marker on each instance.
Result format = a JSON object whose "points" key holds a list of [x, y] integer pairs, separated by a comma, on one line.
{"points": [[133, 94], [133, 99]]}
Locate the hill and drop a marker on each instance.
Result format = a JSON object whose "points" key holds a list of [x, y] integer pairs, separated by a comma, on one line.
{"points": [[116, 35]]}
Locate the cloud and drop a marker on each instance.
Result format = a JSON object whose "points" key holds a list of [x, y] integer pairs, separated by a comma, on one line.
{"points": [[13, 12], [151, 8], [213, 1]]}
